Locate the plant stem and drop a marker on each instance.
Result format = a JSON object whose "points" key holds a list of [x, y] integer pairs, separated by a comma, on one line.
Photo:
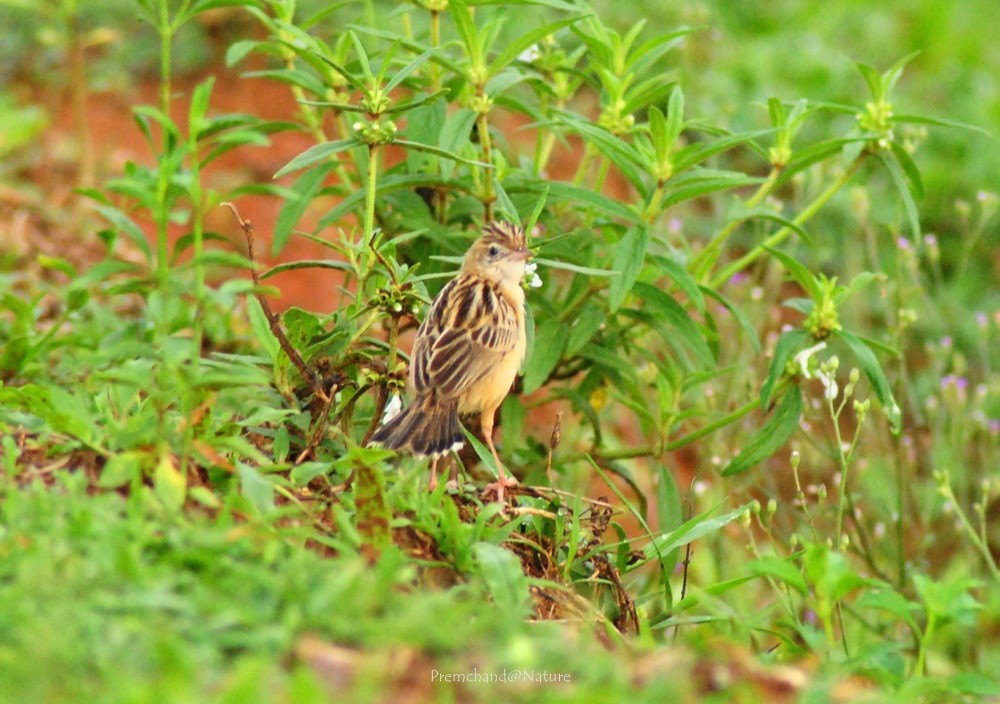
{"points": [[708, 256], [370, 183], [779, 236], [725, 420], [944, 487], [162, 216], [657, 450], [78, 89], [435, 43], [581, 170], [921, 665], [166, 30], [842, 485], [488, 196]]}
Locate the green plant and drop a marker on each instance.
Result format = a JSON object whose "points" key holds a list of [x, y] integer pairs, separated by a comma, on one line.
{"points": [[667, 238]]}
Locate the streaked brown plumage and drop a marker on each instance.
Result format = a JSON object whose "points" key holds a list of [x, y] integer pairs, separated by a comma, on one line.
{"points": [[467, 352]]}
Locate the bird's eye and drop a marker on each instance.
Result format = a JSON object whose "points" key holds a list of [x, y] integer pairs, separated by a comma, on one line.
{"points": [[494, 250]]}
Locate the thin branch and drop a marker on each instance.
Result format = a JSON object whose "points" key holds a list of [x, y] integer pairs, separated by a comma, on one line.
{"points": [[273, 321]]}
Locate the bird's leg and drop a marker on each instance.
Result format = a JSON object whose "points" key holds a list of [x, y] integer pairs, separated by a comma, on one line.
{"points": [[503, 481], [453, 464], [432, 484]]}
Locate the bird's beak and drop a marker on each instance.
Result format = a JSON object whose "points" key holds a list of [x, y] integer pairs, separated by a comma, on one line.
{"points": [[522, 255]]}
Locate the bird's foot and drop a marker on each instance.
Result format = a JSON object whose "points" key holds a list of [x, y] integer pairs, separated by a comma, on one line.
{"points": [[499, 486]]}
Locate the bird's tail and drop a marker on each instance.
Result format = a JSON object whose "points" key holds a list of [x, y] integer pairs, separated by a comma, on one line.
{"points": [[425, 428]]}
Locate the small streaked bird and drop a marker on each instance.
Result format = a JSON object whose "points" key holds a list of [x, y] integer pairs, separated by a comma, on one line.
{"points": [[467, 352]]}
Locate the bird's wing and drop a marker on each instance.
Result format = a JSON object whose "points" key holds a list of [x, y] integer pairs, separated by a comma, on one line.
{"points": [[469, 329]]}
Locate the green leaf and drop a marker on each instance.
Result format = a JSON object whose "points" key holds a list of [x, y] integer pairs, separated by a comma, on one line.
{"points": [[568, 193], [807, 156], [860, 280], [405, 72], [437, 151], [695, 153], [520, 42], [169, 484], [585, 270], [550, 340], [504, 577], [307, 264], [899, 179], [909, 168], [790, 342], [467, 32], [697, 527], [765, 214], [504, 205], [485, 456], [698, 187], [772, 436], [680, 276], [304, 473], [457, 130], [301, 194], [125, 224], [198, 109], [658, 132], [873, 370], [675, 116], [386, 185], [537, 211], [585, 325], [262, 328], [873, 79], [554, 4], [742, 320], [628, 260], [238, 51], [669, 507], [622, 154], [674, 314], [799, 273], [121, 469], [318, 153], [893, 73], [257, 488], [940, 122], [780, 569], [891, 601], [776, 111], [831, 574]]}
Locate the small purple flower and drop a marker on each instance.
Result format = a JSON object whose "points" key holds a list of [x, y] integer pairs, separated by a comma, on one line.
{"points": [[994, 426], [981, 319], [946, 342], [930, 240], [903, 244], [738, 278]]}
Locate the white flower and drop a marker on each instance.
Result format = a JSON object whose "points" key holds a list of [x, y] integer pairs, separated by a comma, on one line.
{"points": [[802, 358], [392, 408], [532, 53], [829, 385], [534, 280]]}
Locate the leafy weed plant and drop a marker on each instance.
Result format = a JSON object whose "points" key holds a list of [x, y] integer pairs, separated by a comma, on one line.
{"points": [[772, 472]]}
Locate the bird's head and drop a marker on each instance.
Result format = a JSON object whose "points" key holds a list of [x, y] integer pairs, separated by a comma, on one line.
{"points": [[499, 255]]}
